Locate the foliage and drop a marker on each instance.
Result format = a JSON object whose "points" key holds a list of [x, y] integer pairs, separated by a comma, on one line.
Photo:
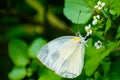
{"points": [[72, 9], [27, 25], [18, 52]]}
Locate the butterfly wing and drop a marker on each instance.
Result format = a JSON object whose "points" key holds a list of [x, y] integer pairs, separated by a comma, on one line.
{"points": [[64, 55], [73, 65], [49, 49]]}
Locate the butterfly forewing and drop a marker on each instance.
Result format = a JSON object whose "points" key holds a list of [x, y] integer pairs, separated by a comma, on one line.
{"points": [[64, 55], [49, 50]]}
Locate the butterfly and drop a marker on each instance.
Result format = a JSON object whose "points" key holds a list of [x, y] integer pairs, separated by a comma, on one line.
{"points": [[64, 55]]}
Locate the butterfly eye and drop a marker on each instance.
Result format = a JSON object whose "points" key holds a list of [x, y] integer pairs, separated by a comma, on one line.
{"points": [[79, 42]]}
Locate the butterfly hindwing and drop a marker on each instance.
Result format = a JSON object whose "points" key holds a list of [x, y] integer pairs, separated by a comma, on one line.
{"points": [[74, 63], [70, 62]]}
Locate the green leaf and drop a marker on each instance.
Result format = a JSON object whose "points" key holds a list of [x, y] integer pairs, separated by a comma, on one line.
{"points": [[98, 35], [18, 52], [94, 56], [32, 68], [36, 46], [118, 33], [89, 42], [108, 25], [44, 74], [17, 73], [72, 9], [114, 73], [97, 76], [91, 3], [113, 5], [113, 12], [106, 67]]}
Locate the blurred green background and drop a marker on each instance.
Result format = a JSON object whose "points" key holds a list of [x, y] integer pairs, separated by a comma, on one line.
{"points": [[27, 25], [23, 25]]}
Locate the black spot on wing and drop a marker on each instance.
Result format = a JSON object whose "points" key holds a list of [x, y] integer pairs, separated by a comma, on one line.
{"points": [[55, 56], [67, 74]]}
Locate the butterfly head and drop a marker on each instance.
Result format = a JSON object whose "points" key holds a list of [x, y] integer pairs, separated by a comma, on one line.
{"points": [[80, 38]]}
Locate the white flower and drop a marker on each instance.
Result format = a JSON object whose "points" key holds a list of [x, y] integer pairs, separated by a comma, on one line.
{"points": [[95, 19], [98, 44], [99, 5], [98, 17], [88, 30]]}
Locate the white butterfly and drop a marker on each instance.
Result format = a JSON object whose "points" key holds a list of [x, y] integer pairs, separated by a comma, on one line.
{"points": [[64, 55]]}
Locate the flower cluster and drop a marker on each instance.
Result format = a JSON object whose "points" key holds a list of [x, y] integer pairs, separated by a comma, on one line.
{"points": [[95, 21], [100, 5]]}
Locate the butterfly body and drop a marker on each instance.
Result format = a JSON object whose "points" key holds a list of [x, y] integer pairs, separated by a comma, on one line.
{"points": [[64, 55]]}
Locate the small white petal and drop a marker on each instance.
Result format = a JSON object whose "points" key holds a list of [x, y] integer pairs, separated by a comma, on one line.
{"points": [[99, 8], [86, 28], [87, 34], [99, 2], [90, 32], [94, 22], [99, 41], [98, 16], [97, 47], [89, 26], [95, 6], [103, 4], [96, 44], [94, 17]]}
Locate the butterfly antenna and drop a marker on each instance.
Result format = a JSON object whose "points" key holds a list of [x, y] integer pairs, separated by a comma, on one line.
{"points": [[78, 33]]}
